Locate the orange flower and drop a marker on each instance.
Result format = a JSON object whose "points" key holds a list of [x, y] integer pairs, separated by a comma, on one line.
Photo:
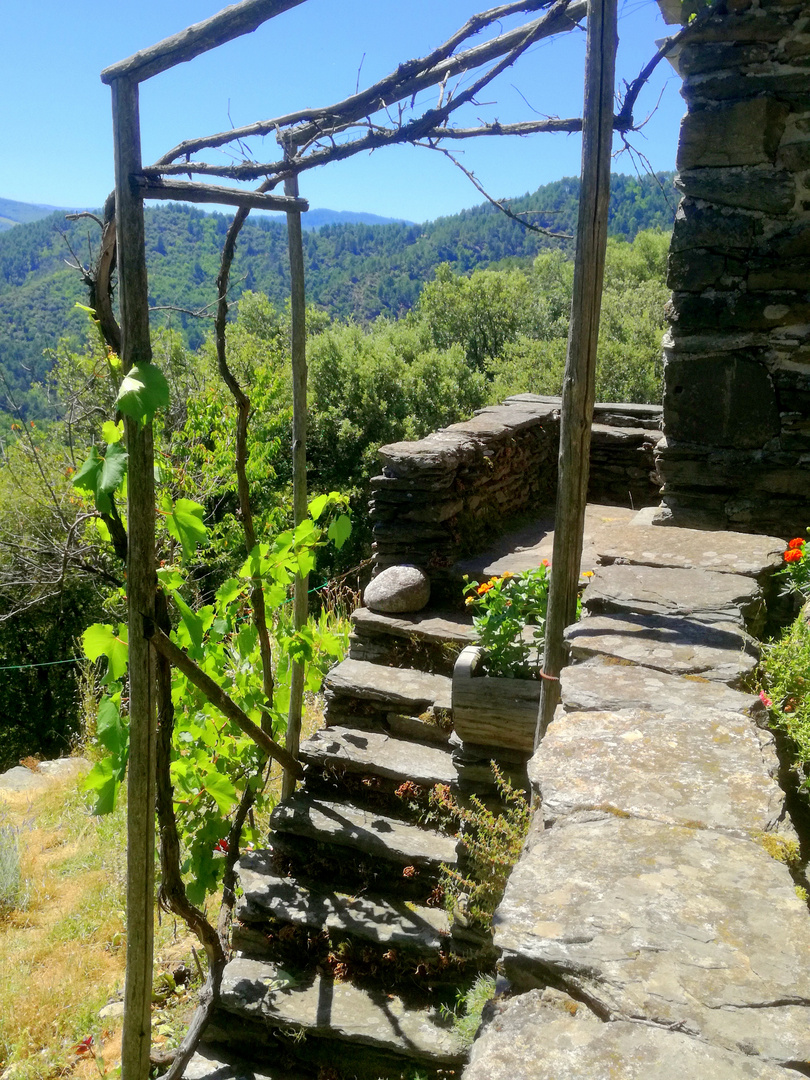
{"points": [[794, 555], [797, 542], [546, 562], [506, 575], [484, 588]]}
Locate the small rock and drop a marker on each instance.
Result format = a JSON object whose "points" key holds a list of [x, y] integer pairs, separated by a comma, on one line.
{"points": [[113, 1011], [399, 588]]}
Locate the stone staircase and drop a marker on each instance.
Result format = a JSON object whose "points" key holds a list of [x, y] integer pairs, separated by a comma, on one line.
{"points": [[343, 952]]}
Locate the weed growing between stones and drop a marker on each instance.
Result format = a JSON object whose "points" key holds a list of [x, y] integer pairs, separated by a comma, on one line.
{"points": [[490, 844], [469, 1007]]}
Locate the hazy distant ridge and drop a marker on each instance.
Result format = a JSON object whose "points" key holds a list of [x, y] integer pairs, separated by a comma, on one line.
{"points": [[19, 213]]}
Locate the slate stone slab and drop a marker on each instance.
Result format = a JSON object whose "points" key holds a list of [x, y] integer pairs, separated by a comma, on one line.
{"points": [[434, 626], [706, 768], [717, 651], [653, 590], [545, 1035], [253, 988], [378, 754], [362, 830], [400, 689], [384, 921], [673, 925], [209, 1065], [728, 553], [605, 684], [266, 895]]}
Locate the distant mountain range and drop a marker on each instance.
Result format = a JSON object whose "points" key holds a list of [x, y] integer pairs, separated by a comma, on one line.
{"points": [[19, 213], [354, 269]]}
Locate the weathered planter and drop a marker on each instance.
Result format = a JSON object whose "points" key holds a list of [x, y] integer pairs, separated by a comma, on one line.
{"points": [[492, 711]]}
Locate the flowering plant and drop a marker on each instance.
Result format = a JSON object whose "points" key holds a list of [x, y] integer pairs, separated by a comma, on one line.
{"points": [[504, 608], [797, 566]]}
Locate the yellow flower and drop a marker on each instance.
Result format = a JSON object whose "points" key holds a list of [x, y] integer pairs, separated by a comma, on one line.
{"points": [[587, 573], [469, 600]]}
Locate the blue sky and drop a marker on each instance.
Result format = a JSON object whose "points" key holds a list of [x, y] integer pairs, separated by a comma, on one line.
{"points": [[55, 127]]}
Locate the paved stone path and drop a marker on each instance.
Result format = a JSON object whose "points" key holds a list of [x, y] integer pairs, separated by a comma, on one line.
{"points": [[647, 930]]}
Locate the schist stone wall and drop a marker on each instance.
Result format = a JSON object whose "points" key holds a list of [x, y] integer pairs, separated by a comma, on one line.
{"points": [[736, 452], [449, 494]]}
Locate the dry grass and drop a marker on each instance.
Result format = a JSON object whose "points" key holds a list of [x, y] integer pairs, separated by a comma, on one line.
{"points": [[63, 957]]}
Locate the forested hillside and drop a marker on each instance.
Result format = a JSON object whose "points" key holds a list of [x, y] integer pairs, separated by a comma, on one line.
{"points": [[353, 270]]}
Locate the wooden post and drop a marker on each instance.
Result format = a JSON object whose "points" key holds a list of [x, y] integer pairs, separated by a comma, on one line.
{"points": [[580, 365], [136, 348], [299, 455]]}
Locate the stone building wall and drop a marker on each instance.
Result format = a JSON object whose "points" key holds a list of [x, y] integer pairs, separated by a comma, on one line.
{"points": [[449, 494], [736, 452]]}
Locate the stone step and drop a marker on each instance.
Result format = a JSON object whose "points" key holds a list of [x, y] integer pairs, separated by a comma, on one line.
{"points": [[720, 652], [388, 689], [323, 1008], [654, 590], [724, 552], [354, 829], [602, 683], [375, 753], [387, 922], [709, 769], [428, 640], [210, 1064]]}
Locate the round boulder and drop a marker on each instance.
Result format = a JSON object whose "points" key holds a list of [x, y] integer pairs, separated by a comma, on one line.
{"points": [[398, 589]]}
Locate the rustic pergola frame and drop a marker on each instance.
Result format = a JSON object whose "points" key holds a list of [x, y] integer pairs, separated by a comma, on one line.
{"points": [[133, 184]]}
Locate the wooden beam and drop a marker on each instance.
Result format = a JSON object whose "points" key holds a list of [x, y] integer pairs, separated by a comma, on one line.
{"points": [[580, 366], [155, 187], [230, 23], [299, 460], [217, 696], [141, 582]]}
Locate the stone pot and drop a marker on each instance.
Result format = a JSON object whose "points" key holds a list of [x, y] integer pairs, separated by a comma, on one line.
{"points": [[493, 711]]}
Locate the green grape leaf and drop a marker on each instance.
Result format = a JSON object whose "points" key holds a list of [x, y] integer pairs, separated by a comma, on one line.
{"points": [[171, 580], [112, 432], [104, 781], [99, 640], [274, 596], [317, 506], [340, 530], [185, 523], [101, 475], [111, 731], [228, 592], [192, 622], [143, 391], [221, 790], [306, 563]]}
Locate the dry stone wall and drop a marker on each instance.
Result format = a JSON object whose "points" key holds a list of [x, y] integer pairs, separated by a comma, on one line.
{"points": [[449, 494], [736, 452]]}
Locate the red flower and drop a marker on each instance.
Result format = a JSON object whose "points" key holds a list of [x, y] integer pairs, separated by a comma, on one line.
{"points": [[797, 542], [221, 845], [766, 701], [793, 555]]}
